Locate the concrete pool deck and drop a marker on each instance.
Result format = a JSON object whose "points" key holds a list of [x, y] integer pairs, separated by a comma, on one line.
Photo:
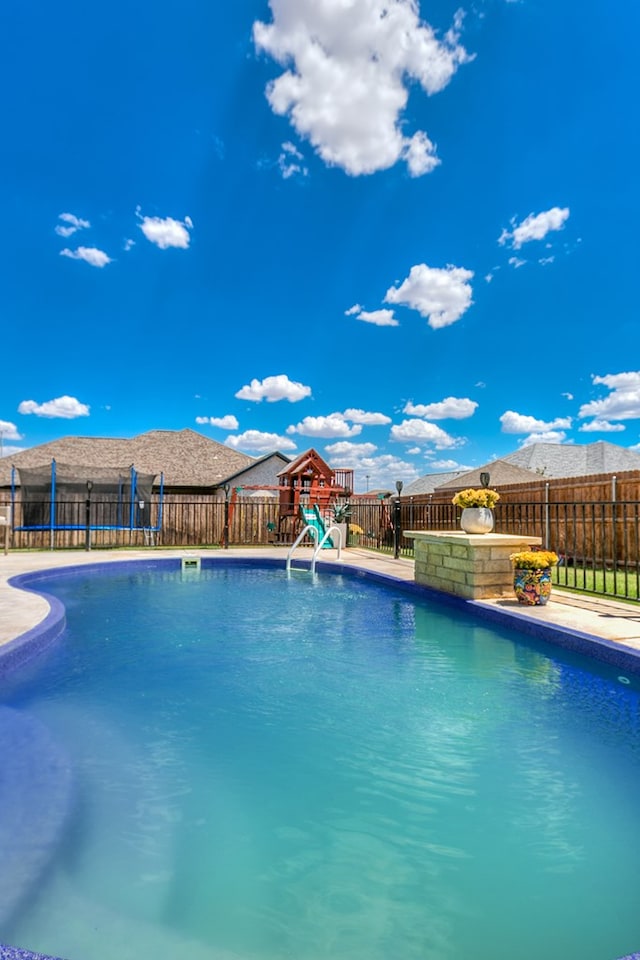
{"points": [[614, 626]]}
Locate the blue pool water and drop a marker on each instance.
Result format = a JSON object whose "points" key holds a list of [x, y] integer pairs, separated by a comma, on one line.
{"points": [[240, 766]]}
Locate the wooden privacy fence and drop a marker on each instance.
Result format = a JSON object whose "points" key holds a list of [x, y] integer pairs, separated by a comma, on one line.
{"points": [[196, 521]]}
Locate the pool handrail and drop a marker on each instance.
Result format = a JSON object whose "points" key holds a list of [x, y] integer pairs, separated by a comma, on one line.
{"points": [[321, 544], [308, 529]]}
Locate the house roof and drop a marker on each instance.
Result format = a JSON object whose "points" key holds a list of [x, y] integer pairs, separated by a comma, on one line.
{"points": [[276, 455], [187, 458], [530, 464], [428, 483], [575, 460], [500, 473]]}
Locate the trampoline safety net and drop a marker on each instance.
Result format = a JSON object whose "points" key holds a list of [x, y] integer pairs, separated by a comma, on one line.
{"points": [[55, 495]]}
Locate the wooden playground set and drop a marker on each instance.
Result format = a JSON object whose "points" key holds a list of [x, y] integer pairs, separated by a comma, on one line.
{"points": [[306, 484]]}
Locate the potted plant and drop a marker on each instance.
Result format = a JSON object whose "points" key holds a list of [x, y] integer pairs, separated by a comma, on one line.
{"points": [[340, 518], [341, 512], [355, 532], [532, 575], [477, 509]]}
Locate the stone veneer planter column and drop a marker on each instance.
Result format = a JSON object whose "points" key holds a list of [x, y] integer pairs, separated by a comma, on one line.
{"points": [[474, 566]]}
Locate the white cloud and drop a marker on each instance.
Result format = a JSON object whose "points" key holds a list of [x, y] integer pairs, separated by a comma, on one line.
{"points": [[290, 162], [10, 450], [568, 396], [273, 389], [448, 465], [258, 442], [356, 308], [333, 425], [345, 448], [546, 436], [371, 473], [369, 419], [71, 224], [9, 431], [410, 431], [66, 408], [414, 450], [545, 261], [516, 262], [97, 258], [228, 422], [166, 232], [381, 318], [420, 154], [534, 227], [128, 244], [513, 422], [601, 426], [451, 408], [348, 70], [383, 471], [442, 295], [623, 403]]}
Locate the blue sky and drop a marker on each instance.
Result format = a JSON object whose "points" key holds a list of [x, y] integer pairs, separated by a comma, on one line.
{"points": [[404, 234]]}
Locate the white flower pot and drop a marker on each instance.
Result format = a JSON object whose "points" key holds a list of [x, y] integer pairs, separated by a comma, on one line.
{"points": [[342, 527], [477, 520]]}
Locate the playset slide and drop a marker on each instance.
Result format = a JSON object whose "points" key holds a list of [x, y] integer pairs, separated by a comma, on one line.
{"points": [[313, 518]]}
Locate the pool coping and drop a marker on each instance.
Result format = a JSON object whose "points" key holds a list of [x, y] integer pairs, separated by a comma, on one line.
{"points": [[29, 643]]}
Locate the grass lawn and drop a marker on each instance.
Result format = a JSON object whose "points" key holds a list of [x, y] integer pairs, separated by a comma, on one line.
{"points": [[621, 584]]}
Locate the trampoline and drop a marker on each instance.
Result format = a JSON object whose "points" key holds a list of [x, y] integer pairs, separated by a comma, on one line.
{"points": [[59, 496]]}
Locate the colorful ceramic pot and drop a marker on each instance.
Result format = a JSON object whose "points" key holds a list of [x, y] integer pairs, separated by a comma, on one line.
{"points": [[532, 586]]}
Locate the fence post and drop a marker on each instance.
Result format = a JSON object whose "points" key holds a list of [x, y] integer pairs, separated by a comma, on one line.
{"points": [[397, 533], [546, 515], [225, 534], [87, 517], [614, 531]]}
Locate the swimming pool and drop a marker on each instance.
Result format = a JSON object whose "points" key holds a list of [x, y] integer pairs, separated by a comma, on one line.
{"points": [[237, 765]]}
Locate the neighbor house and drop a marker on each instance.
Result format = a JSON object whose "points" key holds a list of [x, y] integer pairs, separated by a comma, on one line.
{"points": [[190, 462], [501, 473], [575, 459], [428, 483], [533, 465], [259, 479]]}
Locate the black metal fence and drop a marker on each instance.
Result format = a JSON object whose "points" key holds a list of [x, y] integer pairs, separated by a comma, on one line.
{"points": [[598, 542]]}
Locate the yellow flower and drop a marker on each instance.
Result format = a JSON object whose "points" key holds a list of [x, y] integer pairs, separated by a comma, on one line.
{"points": [[476, 498], [534, 559]]}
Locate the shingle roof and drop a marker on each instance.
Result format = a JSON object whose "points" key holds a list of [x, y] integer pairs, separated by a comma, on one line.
{"points": [[275, 456], [187, 458], [575, 460], [500, 473], [428, 483]]}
